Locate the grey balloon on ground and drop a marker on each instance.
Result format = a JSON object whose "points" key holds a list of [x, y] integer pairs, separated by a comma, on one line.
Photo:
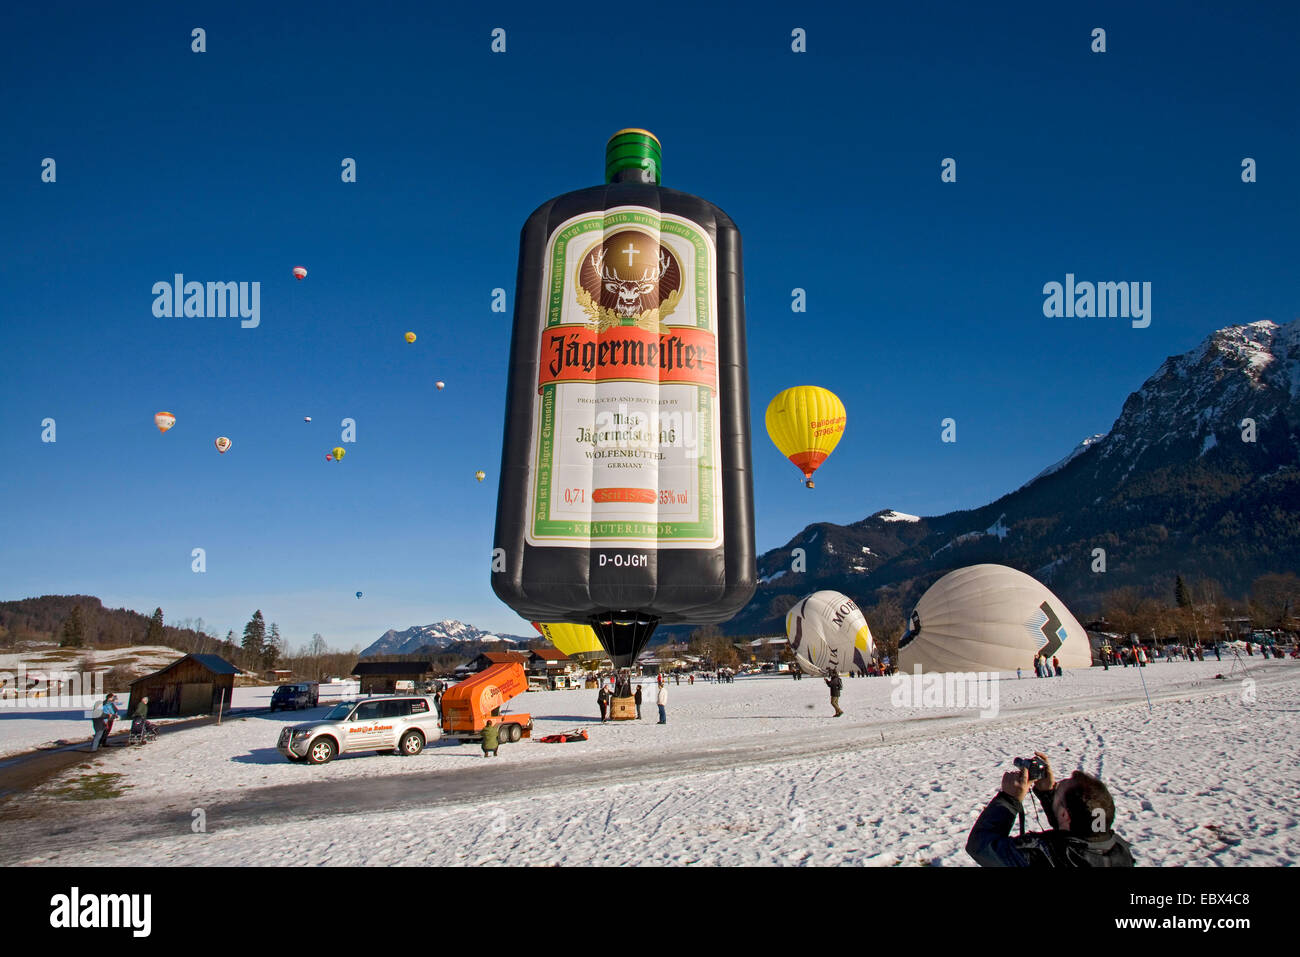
{"points": [[991, 618]]}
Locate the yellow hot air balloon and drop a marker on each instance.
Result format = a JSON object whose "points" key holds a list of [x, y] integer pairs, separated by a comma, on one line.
{"points": [[410, 337], [339, 452], [576, 641], [806, 423], [164, 421], [480, 475]]}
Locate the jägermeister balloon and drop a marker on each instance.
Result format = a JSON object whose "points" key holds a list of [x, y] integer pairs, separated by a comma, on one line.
{"points": [[625, 497]]}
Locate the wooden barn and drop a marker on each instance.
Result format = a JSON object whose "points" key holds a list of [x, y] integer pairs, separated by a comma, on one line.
{"points": [[381, 677], [193, 685]]}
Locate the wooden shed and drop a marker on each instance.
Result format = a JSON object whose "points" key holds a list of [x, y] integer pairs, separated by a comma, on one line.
{"points": [[381, 677], [192, 685]]}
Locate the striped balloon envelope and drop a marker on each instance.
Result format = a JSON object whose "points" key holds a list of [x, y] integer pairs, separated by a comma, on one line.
{"points": [[828, 633]]}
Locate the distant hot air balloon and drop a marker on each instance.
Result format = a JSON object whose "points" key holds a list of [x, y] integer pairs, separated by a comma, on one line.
{"points": [[440, 385], [828, 633], [329, 458], [222, 444], [358, 594], [300, 273], [410, 337], [306, 418], [164, 421], [339, 452], [806, 423], [480, 475], [579, 642], [990, 618]]}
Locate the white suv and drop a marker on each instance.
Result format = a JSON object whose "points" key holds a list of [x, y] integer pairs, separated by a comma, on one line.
{"points": [[404, 724]]}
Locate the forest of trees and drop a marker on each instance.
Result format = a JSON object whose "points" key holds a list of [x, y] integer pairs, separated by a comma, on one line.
{"points": [[82, 621]]}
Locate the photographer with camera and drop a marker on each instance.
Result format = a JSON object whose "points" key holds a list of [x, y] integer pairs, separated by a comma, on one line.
{"points": [[1079, 810]]}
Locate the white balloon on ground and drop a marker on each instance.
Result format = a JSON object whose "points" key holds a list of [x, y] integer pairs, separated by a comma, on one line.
{"points": [[990, 618], [828, 633]]}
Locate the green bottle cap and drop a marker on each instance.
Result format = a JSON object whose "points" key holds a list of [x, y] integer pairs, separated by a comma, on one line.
{"points": [[633, 149]]}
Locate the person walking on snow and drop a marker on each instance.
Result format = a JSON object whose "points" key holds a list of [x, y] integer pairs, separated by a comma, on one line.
{"points": [[1056, 663], [637, 698], [602, 700], [110, 715], [836, 685], [661, 699], [97, 724]]}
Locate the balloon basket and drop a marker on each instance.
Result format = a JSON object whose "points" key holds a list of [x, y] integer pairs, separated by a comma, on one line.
{"points": [[622, 709]]}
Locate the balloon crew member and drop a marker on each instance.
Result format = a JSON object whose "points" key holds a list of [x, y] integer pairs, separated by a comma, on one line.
{"points": [[491, 739], [661, 699], [836, 684], [1079, 809], [602, 700], [637, 698]]}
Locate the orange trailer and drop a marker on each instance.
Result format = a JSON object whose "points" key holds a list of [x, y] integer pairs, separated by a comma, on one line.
{"points": [[467, 706]]}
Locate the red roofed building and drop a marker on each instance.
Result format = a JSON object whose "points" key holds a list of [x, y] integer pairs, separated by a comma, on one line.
{"points": [[489, 658]]}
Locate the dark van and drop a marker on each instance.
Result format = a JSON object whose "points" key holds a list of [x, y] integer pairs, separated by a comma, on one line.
{"points": [[304, 694]]}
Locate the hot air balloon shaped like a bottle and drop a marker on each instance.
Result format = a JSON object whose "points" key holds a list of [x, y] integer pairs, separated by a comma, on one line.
{"points": [[625, 498]]}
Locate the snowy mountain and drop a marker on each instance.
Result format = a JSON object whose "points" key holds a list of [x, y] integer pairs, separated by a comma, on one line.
{"points": [[1079, 449], [1199, 475], [439, 637]]}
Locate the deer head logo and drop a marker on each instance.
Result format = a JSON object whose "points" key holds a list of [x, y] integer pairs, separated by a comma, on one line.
{"points": [[629, 279], [632, 293]]}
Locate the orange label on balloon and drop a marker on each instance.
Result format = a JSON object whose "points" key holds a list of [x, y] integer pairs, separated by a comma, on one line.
{"points": [[643, 495], [571, 353]]}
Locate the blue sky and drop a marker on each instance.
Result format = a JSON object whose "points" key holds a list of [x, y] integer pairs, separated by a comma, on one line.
{"points": [[924, 298]]}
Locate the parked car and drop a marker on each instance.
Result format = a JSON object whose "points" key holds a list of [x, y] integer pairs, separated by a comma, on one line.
{"points": [[304, 694], [404, 724]]}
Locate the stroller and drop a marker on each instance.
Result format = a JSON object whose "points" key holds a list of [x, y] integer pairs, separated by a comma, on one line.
{"points": [[142, 732]]}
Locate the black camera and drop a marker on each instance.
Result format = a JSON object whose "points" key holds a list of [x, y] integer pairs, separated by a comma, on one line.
{"points": [[1036, 767]]}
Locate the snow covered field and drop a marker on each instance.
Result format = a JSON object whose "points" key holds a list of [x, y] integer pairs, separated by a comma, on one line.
{"points": [[31, 726], [754, 772]]}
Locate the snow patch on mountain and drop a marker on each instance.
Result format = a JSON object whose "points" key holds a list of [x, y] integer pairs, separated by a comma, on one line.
{"points": [[892, 516], [438, 636], [1078, 450]]}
